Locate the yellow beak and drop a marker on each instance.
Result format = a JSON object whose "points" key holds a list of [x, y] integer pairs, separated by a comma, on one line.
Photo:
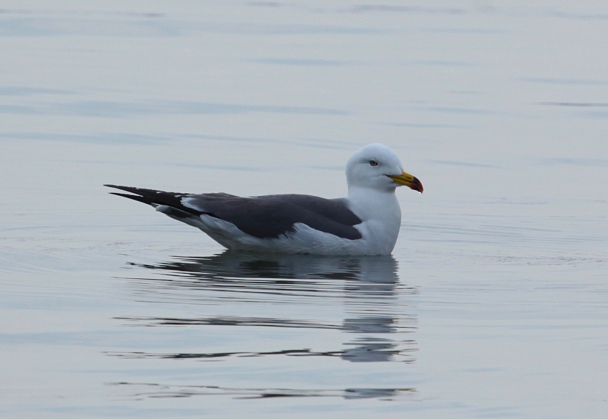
{"points": [[408, 180]]}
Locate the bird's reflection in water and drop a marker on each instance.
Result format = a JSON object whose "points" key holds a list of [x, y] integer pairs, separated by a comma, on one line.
{"points": [[374, 269], [152, 390], [374, 320]]}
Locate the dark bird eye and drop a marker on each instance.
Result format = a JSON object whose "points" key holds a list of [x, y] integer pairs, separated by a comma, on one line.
{"points": [[373, 163]]}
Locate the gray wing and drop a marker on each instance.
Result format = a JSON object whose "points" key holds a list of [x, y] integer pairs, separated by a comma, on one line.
{"points": [[272, 215], [264, 216]]}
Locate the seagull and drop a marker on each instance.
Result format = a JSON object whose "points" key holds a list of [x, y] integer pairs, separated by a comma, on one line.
{"points": [[366, 222]]}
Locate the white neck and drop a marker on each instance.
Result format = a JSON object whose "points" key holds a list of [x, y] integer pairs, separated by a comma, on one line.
{"points": [[380, 211]]}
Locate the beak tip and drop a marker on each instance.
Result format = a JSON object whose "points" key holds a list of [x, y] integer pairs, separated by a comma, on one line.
{"points": [[417, 185]]}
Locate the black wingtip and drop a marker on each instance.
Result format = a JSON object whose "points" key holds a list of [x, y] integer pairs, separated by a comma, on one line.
{"points": [[133, 197], [156, 198], [137, 196], [122, 188]]}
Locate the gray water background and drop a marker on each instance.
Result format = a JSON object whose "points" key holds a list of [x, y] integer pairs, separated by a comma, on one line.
{"points": [[494, 303]]}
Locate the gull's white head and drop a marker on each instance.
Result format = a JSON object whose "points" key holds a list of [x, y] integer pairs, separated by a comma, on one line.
{"points": [[377, 167]]}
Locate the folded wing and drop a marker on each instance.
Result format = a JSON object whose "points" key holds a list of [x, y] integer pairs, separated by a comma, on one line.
{"points": [[266, 216]]}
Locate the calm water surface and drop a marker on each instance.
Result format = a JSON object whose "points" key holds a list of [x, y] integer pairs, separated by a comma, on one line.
{"points": [[493, 304]]}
